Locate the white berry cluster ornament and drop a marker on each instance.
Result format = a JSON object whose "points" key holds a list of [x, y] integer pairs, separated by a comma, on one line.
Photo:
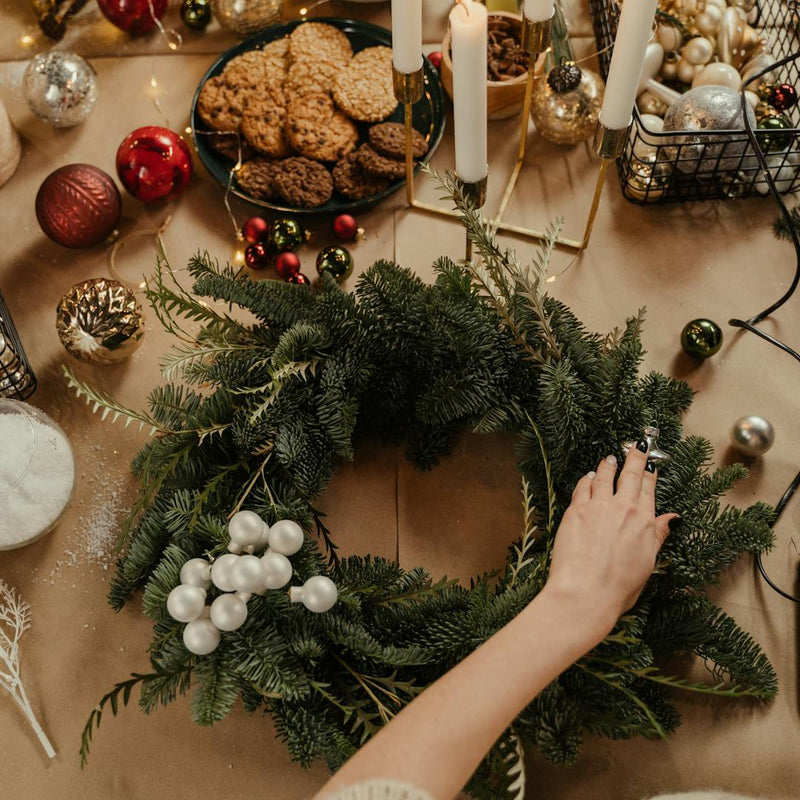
{"points": [[240, 573]]}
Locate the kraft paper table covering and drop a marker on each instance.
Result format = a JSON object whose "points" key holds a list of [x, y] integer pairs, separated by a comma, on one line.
{"points": [[716, 259]]}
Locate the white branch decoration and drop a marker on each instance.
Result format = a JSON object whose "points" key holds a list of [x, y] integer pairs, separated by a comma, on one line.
{"points": [[15, 619]]}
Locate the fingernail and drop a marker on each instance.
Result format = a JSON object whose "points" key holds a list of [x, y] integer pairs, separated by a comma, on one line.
{"points": [[591, 475], [674, 522], [641, 445], [649, 467], [611, 459]]}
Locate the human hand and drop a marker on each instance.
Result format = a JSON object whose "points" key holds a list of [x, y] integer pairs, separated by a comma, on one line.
{"points": [[608, 540]]}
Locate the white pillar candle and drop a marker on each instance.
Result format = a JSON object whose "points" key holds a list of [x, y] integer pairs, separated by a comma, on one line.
{"points": [[633, 33], [469, 40], [10, 147], [538, 10], [407, 35]]}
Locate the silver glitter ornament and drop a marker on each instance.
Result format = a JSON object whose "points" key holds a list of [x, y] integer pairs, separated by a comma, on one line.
{"points": [[60, 88], [707, 108], [655, 455], [752, 435], [649, 179], [100, 321]]}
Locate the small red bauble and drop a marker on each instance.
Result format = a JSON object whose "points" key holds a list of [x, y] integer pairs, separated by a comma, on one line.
{"points": [[133, 16], [255, 229], [256, 256], [154, 163], [299, 279], [783, 96], [345, 227], [286, 265], [436, 59], [78, 205]]}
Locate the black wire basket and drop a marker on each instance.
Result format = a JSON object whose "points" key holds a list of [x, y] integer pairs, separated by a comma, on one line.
{"points": [[706, 165], [16, 376]]}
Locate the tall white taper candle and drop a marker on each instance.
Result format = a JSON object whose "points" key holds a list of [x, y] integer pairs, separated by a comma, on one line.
{"points": [[407, 35], [538, 10], [469, 38], [10, 147], [633, 33]]}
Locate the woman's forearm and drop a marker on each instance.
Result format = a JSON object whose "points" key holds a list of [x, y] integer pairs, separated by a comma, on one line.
{"points": [[499, 679]]}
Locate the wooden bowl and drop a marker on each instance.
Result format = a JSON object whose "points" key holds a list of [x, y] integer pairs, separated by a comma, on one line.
{"points": [[505, 98]]}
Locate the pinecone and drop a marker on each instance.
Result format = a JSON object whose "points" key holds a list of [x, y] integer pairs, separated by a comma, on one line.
{"points": [[564, 78]]}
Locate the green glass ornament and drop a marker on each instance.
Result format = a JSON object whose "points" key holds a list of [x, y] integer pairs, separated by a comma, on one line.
{"points": [[701, 338], [284, 236], [772, 134], [196, 14], [335, 260]]}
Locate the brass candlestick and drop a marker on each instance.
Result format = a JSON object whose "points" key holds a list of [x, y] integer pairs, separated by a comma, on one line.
{"points": [[408, 87], [475, 193]]}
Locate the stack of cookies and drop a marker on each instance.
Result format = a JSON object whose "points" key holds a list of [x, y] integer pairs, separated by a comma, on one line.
{"points": [[291, 110]]}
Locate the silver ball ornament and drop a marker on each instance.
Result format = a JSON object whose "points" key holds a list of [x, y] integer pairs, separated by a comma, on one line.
{"points": [[196, 572], [286, 537], [201, 637], [221, 572], [228, 612], [752, 435], [186, 603], [248, 574], [317, 594], [60, 88], [245, 529], [279, 570]]}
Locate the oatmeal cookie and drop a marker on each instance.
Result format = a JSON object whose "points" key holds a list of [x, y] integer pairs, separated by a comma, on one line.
{"points": [[364, 90]]}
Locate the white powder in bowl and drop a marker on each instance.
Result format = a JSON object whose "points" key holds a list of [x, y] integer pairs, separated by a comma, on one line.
{"points": [[37, 474]]}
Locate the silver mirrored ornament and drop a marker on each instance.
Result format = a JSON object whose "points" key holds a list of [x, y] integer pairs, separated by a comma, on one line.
{"points": [[655, 455], [707, 109], [649, 178], [752, 435], [60, 88]]}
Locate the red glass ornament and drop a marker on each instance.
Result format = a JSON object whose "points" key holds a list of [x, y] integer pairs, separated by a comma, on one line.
{"points": [[154, 163], [133, 16], [783, 96], [286, 265], [436, 59], [299, 279], [78, 205], [255, 229], [345, 227], [256, 256]]}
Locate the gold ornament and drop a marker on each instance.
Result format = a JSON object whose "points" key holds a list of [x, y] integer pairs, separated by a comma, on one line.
{"points": [[100, 321], [649, 179], [244, 18], [570, 116], [738, 42]]}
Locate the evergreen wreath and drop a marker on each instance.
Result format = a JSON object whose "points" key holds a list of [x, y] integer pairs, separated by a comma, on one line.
{"points": [[280, 400]]}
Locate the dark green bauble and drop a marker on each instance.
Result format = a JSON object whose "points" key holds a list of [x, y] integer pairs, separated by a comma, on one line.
{"points": [[772, 134], [701, 338], [196, 14], [335, 260], [284, 236]]}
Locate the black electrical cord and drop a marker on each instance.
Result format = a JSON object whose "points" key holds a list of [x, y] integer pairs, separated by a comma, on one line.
{"points": [[750, 324]]}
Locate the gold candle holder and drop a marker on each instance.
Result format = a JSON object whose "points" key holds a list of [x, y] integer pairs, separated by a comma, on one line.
{"points": [[475, 194], [408, 88]]}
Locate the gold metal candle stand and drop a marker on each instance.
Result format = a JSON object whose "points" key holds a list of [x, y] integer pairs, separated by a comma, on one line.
{"points": [[476, 192], [609, 144]]}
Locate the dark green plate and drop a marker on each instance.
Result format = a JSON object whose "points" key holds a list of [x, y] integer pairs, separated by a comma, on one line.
{"points": [[428, 114]]}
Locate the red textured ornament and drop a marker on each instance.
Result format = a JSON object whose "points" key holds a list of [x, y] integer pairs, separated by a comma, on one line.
{"points": [[287, 265], [299, 279], [154, 163], [133, 16], [255, 229], [78, 205], [783, 96], [256, 256], [345, 227], [436, 59]]}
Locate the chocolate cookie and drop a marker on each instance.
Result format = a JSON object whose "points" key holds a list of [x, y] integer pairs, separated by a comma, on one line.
{"points": [[302, 182], [318, 41], [364, 89], [220, 105], [353, 183], [327, 140], [389, 139], [379, 166], [257, 178], [263, 123]]}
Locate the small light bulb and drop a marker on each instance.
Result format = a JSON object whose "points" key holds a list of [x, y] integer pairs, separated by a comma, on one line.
{"points": [[26, 40], [303, 11], [153, 82], [239, 256]]}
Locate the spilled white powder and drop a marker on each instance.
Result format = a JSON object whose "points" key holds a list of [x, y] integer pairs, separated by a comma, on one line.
{"points": [[37, 474]]}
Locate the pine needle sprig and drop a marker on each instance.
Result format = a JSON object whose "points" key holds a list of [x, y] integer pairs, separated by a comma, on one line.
{"points": [[15, 619]]}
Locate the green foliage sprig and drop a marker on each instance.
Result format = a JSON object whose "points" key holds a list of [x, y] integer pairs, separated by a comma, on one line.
{"points": [[280, 400]]}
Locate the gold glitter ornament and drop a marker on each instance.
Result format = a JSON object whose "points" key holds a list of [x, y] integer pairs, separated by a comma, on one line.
{"points": [[648, 179], [244, 17], [100, 321], [570, 116]]}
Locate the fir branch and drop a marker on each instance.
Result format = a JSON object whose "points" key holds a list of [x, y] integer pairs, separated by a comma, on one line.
{"points": [[521, 554], [418, 593], [782, 230]]}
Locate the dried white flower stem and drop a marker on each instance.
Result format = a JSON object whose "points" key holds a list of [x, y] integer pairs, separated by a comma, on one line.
{"points": [[15, 619]]}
